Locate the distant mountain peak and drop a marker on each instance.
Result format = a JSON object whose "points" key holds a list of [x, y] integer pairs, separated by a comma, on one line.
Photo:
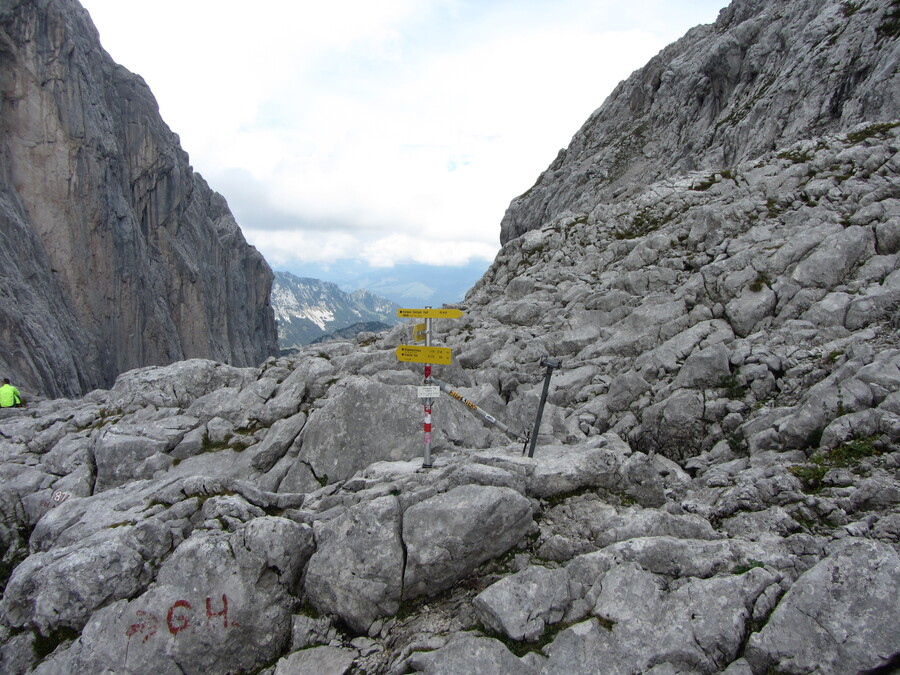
{"points": [[307, 309]]}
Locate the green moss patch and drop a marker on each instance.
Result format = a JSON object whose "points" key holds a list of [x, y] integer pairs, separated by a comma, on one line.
{"points": [[849, 455]]}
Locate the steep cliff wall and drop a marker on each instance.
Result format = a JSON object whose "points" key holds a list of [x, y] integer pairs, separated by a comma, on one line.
{"points": [[766, 74], [115, 253]]}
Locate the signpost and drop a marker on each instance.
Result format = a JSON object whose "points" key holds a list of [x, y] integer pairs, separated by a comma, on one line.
{"points": [[419, 332], [432, 388], [428, 355], [429, 313]]}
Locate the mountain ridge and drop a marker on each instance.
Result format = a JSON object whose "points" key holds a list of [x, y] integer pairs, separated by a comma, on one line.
{"points": [[762, 76], [307, 309]]}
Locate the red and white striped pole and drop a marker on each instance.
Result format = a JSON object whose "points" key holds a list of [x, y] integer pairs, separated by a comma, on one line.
{"points": [[426, 463]]}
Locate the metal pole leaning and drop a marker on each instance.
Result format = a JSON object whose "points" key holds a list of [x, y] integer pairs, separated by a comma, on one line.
{"points": [[447, 389], [551, 364]]}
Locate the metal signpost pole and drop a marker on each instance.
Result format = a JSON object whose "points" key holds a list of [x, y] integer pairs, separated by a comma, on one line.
{"points": [[428, 355], [551, 364], [426, 462]]}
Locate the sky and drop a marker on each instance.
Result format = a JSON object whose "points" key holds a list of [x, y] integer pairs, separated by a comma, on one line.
{"points": [[381, 132]]}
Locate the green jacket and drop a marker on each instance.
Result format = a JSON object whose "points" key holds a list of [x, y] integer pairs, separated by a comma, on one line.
{"points": [[9, 396]]}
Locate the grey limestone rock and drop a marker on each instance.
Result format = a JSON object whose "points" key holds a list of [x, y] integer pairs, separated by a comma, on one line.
{"points": [[624, 390], [216, 607], [322, 659], [468, 653], [522, 605], [704, 368], [642, 622], [730, 87], [450, 534], [277, 442], [357, 569], [363, 422], [839, 616], [831, 261], [63, 587], [638, 522], [675, 427], [746, 311], [176, 385]]}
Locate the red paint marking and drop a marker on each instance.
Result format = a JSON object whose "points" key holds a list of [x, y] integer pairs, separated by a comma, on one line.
{"points": [[148, 630], [224, 613], [184, 621], [178, 618]]}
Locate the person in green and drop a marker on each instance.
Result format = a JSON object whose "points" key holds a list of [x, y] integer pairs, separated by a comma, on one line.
{"points": [[9, 395]]}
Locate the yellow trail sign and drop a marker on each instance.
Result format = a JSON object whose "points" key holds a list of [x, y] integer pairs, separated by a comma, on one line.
{"points": [[416, 354], [429, 313], [419, 332]]}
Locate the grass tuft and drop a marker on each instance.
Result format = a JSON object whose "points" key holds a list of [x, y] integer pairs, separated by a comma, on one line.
{"points": [[848, 455]]}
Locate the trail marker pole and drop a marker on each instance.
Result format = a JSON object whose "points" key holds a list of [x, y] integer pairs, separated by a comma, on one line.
{"points": [[426, 459], [551, 364], [428, 355]]}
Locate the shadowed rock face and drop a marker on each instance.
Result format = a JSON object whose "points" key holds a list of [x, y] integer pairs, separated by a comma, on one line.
{"points": [[114, 254], [763, 76]]}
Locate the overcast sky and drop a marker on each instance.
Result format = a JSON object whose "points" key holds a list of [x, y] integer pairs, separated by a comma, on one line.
{"points": [[385, 131]]}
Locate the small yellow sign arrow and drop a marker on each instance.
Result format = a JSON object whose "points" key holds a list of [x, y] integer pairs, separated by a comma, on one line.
{"points": [[419, 332], [429, 313], [416, 354]]}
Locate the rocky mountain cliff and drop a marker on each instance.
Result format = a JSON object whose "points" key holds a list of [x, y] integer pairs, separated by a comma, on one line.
{"points": [[309, 309], [763, 76], [114, 253], [715, 488]]}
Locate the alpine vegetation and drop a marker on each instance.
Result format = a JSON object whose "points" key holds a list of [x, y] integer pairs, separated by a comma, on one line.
{"points": [[714, 262]]}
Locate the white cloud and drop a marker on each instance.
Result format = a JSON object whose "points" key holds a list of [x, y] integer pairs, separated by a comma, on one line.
{"points": [[387, 131]]}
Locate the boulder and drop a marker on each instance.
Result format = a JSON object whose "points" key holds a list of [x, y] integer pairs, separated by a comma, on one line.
{"points": [[466, 653], [749, 308], [833, 259], [840, 616], [522, 605], [704, 368], [216, 607], [61, 588], [675, 427], [363, 422], [450, 534], [641, 624], [356, 572], [277, 442], [325, 659]]}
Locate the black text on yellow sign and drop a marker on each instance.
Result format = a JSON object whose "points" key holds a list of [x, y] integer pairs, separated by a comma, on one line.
{"points": [[416, 354], [429, 313]]}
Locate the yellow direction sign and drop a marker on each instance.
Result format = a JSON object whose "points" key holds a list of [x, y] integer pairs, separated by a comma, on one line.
{"points": [[419, 332], [416, 354], [429, 313]]}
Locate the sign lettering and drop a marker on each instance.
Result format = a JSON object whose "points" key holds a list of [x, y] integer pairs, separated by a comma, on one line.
{"points": [[429, 313], [417, 354]]}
